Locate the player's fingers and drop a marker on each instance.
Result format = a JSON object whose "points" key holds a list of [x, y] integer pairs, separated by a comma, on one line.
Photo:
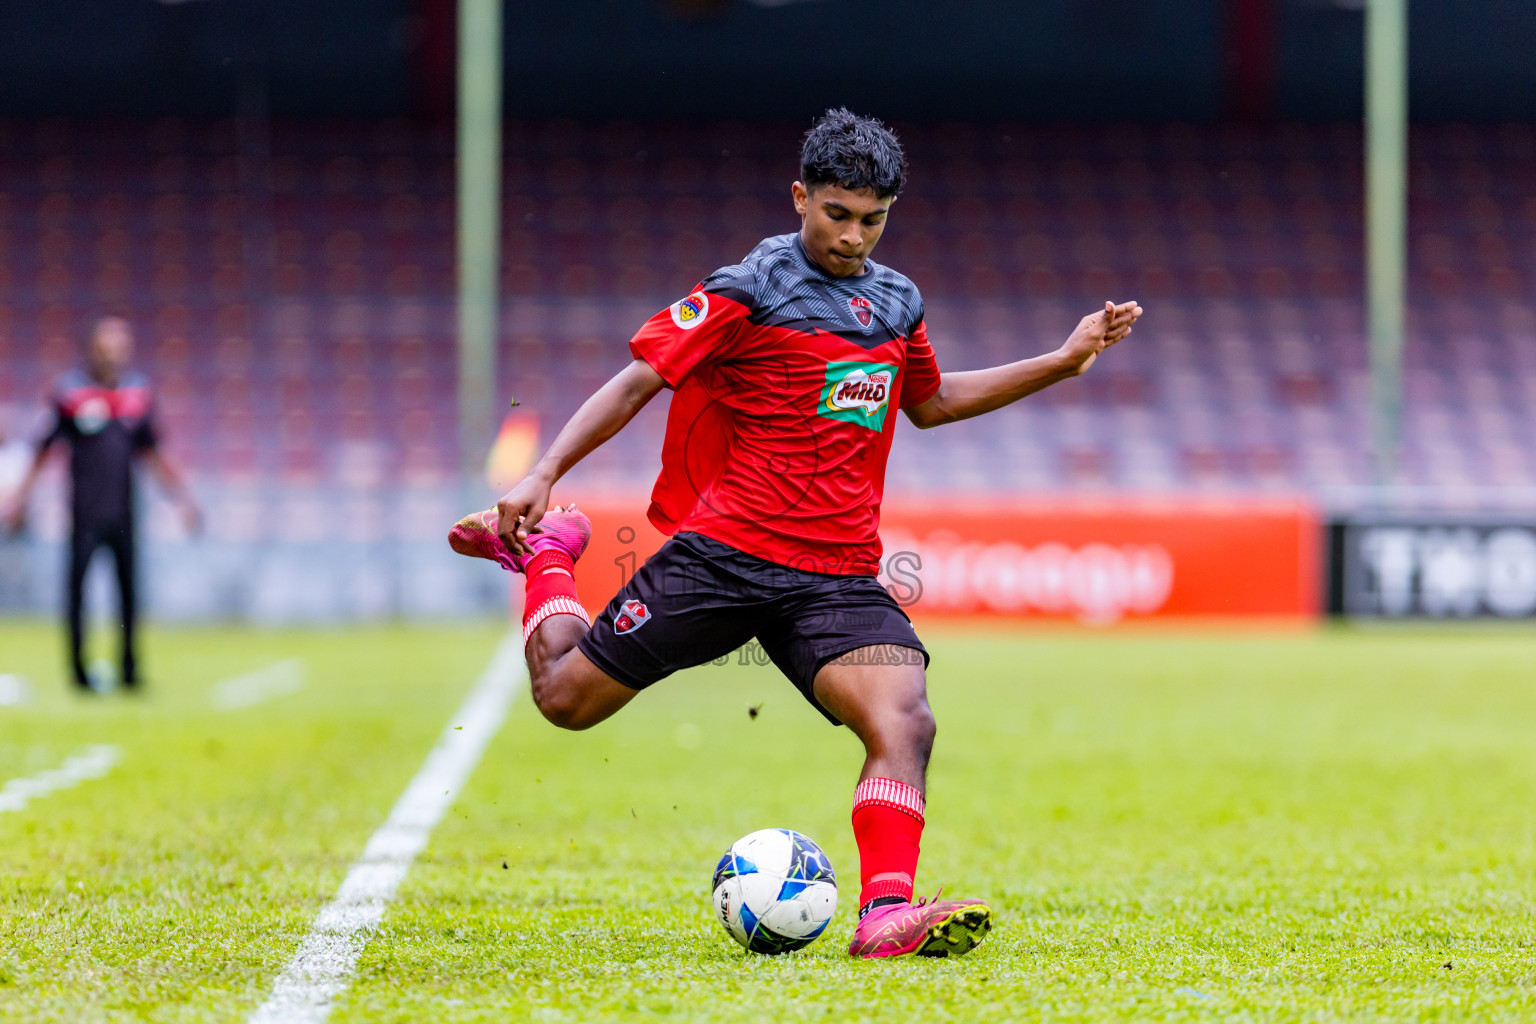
{"points": [[1128, 317], [510, 528], [530, 523], [506, 519]]}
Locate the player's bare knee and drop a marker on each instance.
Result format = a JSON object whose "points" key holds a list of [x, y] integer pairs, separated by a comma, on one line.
{"points": [[563, 713], [560, 705], [907, 731]]}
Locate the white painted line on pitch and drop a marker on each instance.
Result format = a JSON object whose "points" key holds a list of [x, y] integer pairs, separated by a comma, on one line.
{"points": [[276, 680], [90, 763], [319, 971], [14, 690]]}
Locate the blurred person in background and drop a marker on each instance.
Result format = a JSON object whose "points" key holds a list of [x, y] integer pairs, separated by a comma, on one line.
{"points": [[104, 412]]}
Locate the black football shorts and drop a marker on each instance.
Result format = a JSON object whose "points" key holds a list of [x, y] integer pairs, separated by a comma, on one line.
{"points": [[697, 600]]}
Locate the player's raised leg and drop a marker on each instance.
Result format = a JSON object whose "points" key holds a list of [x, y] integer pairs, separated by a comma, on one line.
{"points": [[882, 696], [569, 690]]}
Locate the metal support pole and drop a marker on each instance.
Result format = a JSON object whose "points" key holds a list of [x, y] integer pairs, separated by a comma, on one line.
{"points": [[1386, 219], [479, 226]]}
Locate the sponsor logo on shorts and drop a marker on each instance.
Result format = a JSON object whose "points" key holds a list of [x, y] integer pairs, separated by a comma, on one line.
{"points": [[632, 615], [863, 311], [858, 393], [690, 312]]}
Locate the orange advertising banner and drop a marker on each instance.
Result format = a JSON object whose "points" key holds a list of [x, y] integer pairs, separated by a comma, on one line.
{"points": [[1101, 561], [1094, 560]]}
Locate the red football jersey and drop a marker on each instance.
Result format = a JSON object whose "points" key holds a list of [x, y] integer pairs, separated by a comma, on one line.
{"points": [[787, 383]]}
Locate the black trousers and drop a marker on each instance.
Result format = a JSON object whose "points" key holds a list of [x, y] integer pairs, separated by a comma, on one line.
{"points": [[85, 540]]}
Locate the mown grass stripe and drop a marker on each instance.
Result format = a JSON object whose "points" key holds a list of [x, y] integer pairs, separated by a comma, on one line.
{"points": [[320, 970]]}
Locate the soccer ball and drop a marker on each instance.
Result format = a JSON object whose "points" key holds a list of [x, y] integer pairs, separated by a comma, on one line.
{"points": [[775, 891]]}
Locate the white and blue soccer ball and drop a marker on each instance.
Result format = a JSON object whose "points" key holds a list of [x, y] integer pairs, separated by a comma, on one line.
{"points": [[775, 891]]}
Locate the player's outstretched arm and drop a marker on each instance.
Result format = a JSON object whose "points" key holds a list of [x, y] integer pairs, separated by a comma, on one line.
{"points": [[972, 392], [598, 419], [13, 510], [175, 485], [14, 515]]}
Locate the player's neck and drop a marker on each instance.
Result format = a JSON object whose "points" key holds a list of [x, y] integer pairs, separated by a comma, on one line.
{"points": [[105, 376]]}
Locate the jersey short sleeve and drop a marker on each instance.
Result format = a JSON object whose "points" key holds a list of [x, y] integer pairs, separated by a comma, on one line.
{"points": [[696, 328], [53, 426], [146, 434], [922, 374]]}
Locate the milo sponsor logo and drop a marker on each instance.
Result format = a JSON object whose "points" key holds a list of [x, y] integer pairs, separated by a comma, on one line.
{"points": [[858, 393]]}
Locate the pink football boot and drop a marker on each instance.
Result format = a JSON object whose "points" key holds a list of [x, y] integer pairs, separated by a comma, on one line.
{"points": [[925, 928], [565, 528]]}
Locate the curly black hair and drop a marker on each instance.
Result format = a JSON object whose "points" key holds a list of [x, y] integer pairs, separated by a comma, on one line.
{"points": [[852, 152]]}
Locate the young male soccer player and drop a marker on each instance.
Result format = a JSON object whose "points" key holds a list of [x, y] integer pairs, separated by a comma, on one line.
{"points": [[785, 369]]}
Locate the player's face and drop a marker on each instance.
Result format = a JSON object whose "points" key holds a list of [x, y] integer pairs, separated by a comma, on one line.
{"points": [[839, 228], [111, 348]]}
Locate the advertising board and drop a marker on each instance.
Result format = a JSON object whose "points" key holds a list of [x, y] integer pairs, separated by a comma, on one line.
{"points": [[1432, 566], [1093, 561]]}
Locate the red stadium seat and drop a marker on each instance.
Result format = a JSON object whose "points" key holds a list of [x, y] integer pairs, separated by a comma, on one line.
{"points": [[354, 308]]}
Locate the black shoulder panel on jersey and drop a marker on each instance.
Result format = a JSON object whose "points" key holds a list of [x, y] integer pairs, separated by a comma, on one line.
{"points": [[791, 291], [71, 380], [736, 282]]}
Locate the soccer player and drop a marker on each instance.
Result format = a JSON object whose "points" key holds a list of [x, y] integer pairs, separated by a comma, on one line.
{"points": [[104, 412], [785, 369]]}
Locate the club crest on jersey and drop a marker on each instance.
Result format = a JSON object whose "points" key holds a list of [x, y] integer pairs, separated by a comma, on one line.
{"points": [[690, 312], [862, 311], [93, 415], [632, 615], [858, 393]]}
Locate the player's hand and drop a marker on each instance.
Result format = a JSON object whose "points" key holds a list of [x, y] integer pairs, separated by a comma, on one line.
{"points": [[518, 514], [191, 516], [1097, 331], [15, 517]]}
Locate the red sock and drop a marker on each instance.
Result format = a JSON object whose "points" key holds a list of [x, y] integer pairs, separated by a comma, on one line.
{"points": [[888, 826], [551, 590]]}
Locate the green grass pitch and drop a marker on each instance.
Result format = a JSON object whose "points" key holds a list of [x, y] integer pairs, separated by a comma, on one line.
{"points": [[1186, 827]]}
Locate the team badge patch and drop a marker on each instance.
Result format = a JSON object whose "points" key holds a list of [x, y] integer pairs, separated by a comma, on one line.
{"points": [[858, 393], [93, 415], [632, 615], [690, 312], [862, 310]]}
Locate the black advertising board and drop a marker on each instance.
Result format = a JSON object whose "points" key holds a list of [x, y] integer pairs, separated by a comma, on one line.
{"points": [[1426, 566]]}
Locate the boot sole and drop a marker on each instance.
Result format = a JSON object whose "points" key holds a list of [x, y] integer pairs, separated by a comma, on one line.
{"points": [[958, 933]]}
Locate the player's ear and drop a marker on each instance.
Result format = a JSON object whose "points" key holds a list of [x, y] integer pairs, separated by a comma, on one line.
{"points": [[801, 196]]}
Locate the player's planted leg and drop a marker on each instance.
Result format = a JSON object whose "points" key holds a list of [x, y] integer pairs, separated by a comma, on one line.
{"points": [[882, 696], [569, 690]]}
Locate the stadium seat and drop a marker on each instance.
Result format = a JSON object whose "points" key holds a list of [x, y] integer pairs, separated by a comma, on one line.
{"points": [[1244, 244]]}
